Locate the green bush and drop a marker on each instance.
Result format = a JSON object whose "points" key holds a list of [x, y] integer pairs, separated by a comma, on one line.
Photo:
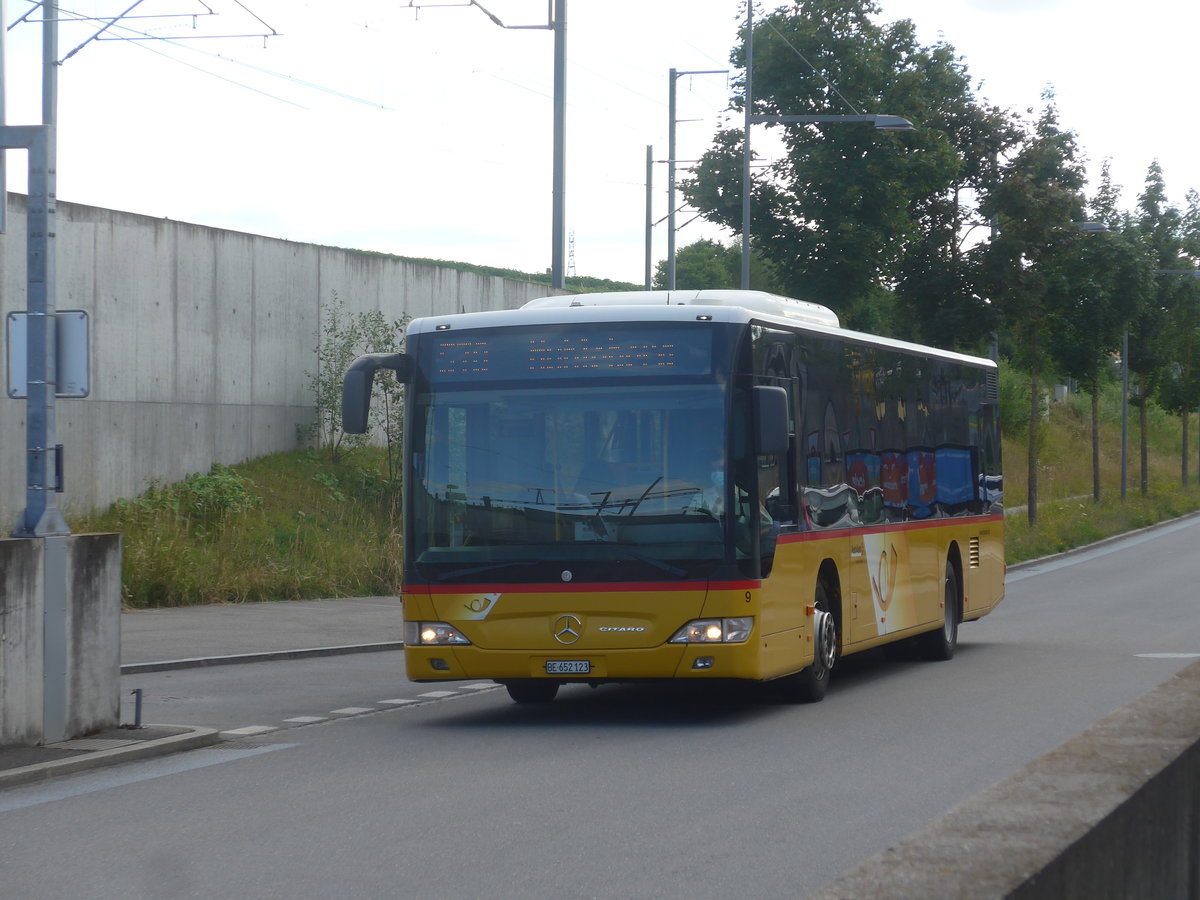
{"points": [[1014, 402]]}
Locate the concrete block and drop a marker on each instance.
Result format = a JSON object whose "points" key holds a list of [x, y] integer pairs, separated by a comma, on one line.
{"points": [[91, 623], [20, 641], [94, 629], [1112, 814]]}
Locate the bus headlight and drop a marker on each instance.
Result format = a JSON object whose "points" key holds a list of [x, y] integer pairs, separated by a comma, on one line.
{"points": [[431, 634], [714, 631]]}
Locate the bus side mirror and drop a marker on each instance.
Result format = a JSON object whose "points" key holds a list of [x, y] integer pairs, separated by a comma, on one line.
{"points": [[360, 378], [770, 420]]}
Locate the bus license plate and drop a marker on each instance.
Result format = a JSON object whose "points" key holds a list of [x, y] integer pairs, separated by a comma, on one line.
{"points": [[568, 667]]}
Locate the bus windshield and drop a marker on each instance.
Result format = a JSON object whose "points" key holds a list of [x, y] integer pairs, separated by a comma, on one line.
{"points": [[563, 481]]}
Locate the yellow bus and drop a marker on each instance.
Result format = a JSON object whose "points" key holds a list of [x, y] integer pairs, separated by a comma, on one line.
{"points": [[685, 485]]}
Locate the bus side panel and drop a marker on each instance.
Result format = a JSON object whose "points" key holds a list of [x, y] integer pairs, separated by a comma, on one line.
{"points": [[899, 589], [984, 570], [788, 594]]}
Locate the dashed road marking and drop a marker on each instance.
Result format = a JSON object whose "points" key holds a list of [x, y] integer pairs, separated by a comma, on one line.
{"points": [[1167, 655], [247, 731], [351, 711]]}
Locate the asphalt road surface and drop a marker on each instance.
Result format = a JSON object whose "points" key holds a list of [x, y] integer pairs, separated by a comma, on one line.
{"points": [[382, 788]]}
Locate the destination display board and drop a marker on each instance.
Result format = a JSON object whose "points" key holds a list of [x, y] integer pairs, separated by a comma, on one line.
{"points": [[610, 351]]}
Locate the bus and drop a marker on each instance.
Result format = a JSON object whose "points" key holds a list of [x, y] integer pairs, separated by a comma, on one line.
{"points": [[704, 485]]}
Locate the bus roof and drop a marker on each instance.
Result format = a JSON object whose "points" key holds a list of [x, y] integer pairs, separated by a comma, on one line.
{"points": [[672, 306], [754, 301]]}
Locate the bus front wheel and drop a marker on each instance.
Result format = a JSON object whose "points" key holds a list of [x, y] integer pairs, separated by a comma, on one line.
{"points": [[809, 685], [532, 690]]}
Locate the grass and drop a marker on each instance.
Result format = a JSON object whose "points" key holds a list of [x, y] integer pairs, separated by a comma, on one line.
{"points": [[297, 526], [289, 526], [1068, 517]]}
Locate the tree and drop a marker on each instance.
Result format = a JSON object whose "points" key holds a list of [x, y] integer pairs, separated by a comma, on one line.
{"points": [[702, 265], [1150, 350], [342, 338], [1035, 202], [1108, 278], [840, 210], [1192, 253], [709, 265]]}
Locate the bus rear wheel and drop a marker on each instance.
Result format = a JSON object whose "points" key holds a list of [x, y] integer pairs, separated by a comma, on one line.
{"points": [[940, 644], [809, 685], [532, 690]]}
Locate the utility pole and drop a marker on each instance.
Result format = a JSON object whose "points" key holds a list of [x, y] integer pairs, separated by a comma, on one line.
{"points": [[558, 200], [557, 23], [673, 76], [749, 102], [41, 516], [649, 210]]}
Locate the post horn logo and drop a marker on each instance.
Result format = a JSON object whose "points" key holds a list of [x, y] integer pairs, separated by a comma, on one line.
{"points": [[884, 581]]}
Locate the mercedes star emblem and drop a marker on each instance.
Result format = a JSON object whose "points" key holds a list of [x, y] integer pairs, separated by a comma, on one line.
{"points": [[567, 629]]}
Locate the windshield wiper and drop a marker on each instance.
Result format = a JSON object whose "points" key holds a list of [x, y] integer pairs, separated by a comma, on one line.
{"points": [[478, 570]]}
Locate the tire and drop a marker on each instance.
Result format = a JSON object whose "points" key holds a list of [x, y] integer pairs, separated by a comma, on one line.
{"points": [[809, 685], [940, 645], [532, 690]]}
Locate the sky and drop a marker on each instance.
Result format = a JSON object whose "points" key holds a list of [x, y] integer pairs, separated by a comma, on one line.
{"points": [[427, 132]]}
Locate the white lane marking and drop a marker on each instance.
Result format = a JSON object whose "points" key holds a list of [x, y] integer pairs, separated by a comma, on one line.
{"points": [[1167, 655], [481, 686], [436, 694], [351, 710], [306, 720], [130, 773], [248, 731], [399, 701]]}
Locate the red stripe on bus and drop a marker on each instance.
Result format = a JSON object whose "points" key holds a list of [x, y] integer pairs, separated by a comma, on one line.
{"points": [[591, 587]]}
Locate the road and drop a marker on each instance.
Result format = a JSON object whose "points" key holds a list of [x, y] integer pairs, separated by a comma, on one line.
{"points": [[621, 791]]}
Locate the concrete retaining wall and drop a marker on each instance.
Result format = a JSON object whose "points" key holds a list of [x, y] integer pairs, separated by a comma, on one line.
{"points": [[200, 341], [85, 693], [1112, 814]]}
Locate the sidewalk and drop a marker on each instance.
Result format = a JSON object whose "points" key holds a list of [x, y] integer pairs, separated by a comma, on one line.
{"points": [[155, 639], [158, 639]]}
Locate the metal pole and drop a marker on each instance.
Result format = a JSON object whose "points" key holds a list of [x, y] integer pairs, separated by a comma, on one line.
{"points": [[749, 101], [1124, 413], [41, 516], [3, 120], [558, 229], [649, 212], [672, 76]]}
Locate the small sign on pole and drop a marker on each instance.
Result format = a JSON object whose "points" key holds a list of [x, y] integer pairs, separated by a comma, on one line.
{"points": [[71, 354]]}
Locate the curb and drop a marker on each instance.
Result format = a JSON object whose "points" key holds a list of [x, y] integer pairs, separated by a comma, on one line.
{"points": [[269, 656], [1111, 539], [192, 738]]}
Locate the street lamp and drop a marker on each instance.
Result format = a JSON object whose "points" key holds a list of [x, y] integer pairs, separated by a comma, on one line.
{"points": [[881, 123]]}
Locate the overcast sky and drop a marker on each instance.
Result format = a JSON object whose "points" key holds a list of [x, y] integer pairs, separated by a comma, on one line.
{"points": [[369, 124]]}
